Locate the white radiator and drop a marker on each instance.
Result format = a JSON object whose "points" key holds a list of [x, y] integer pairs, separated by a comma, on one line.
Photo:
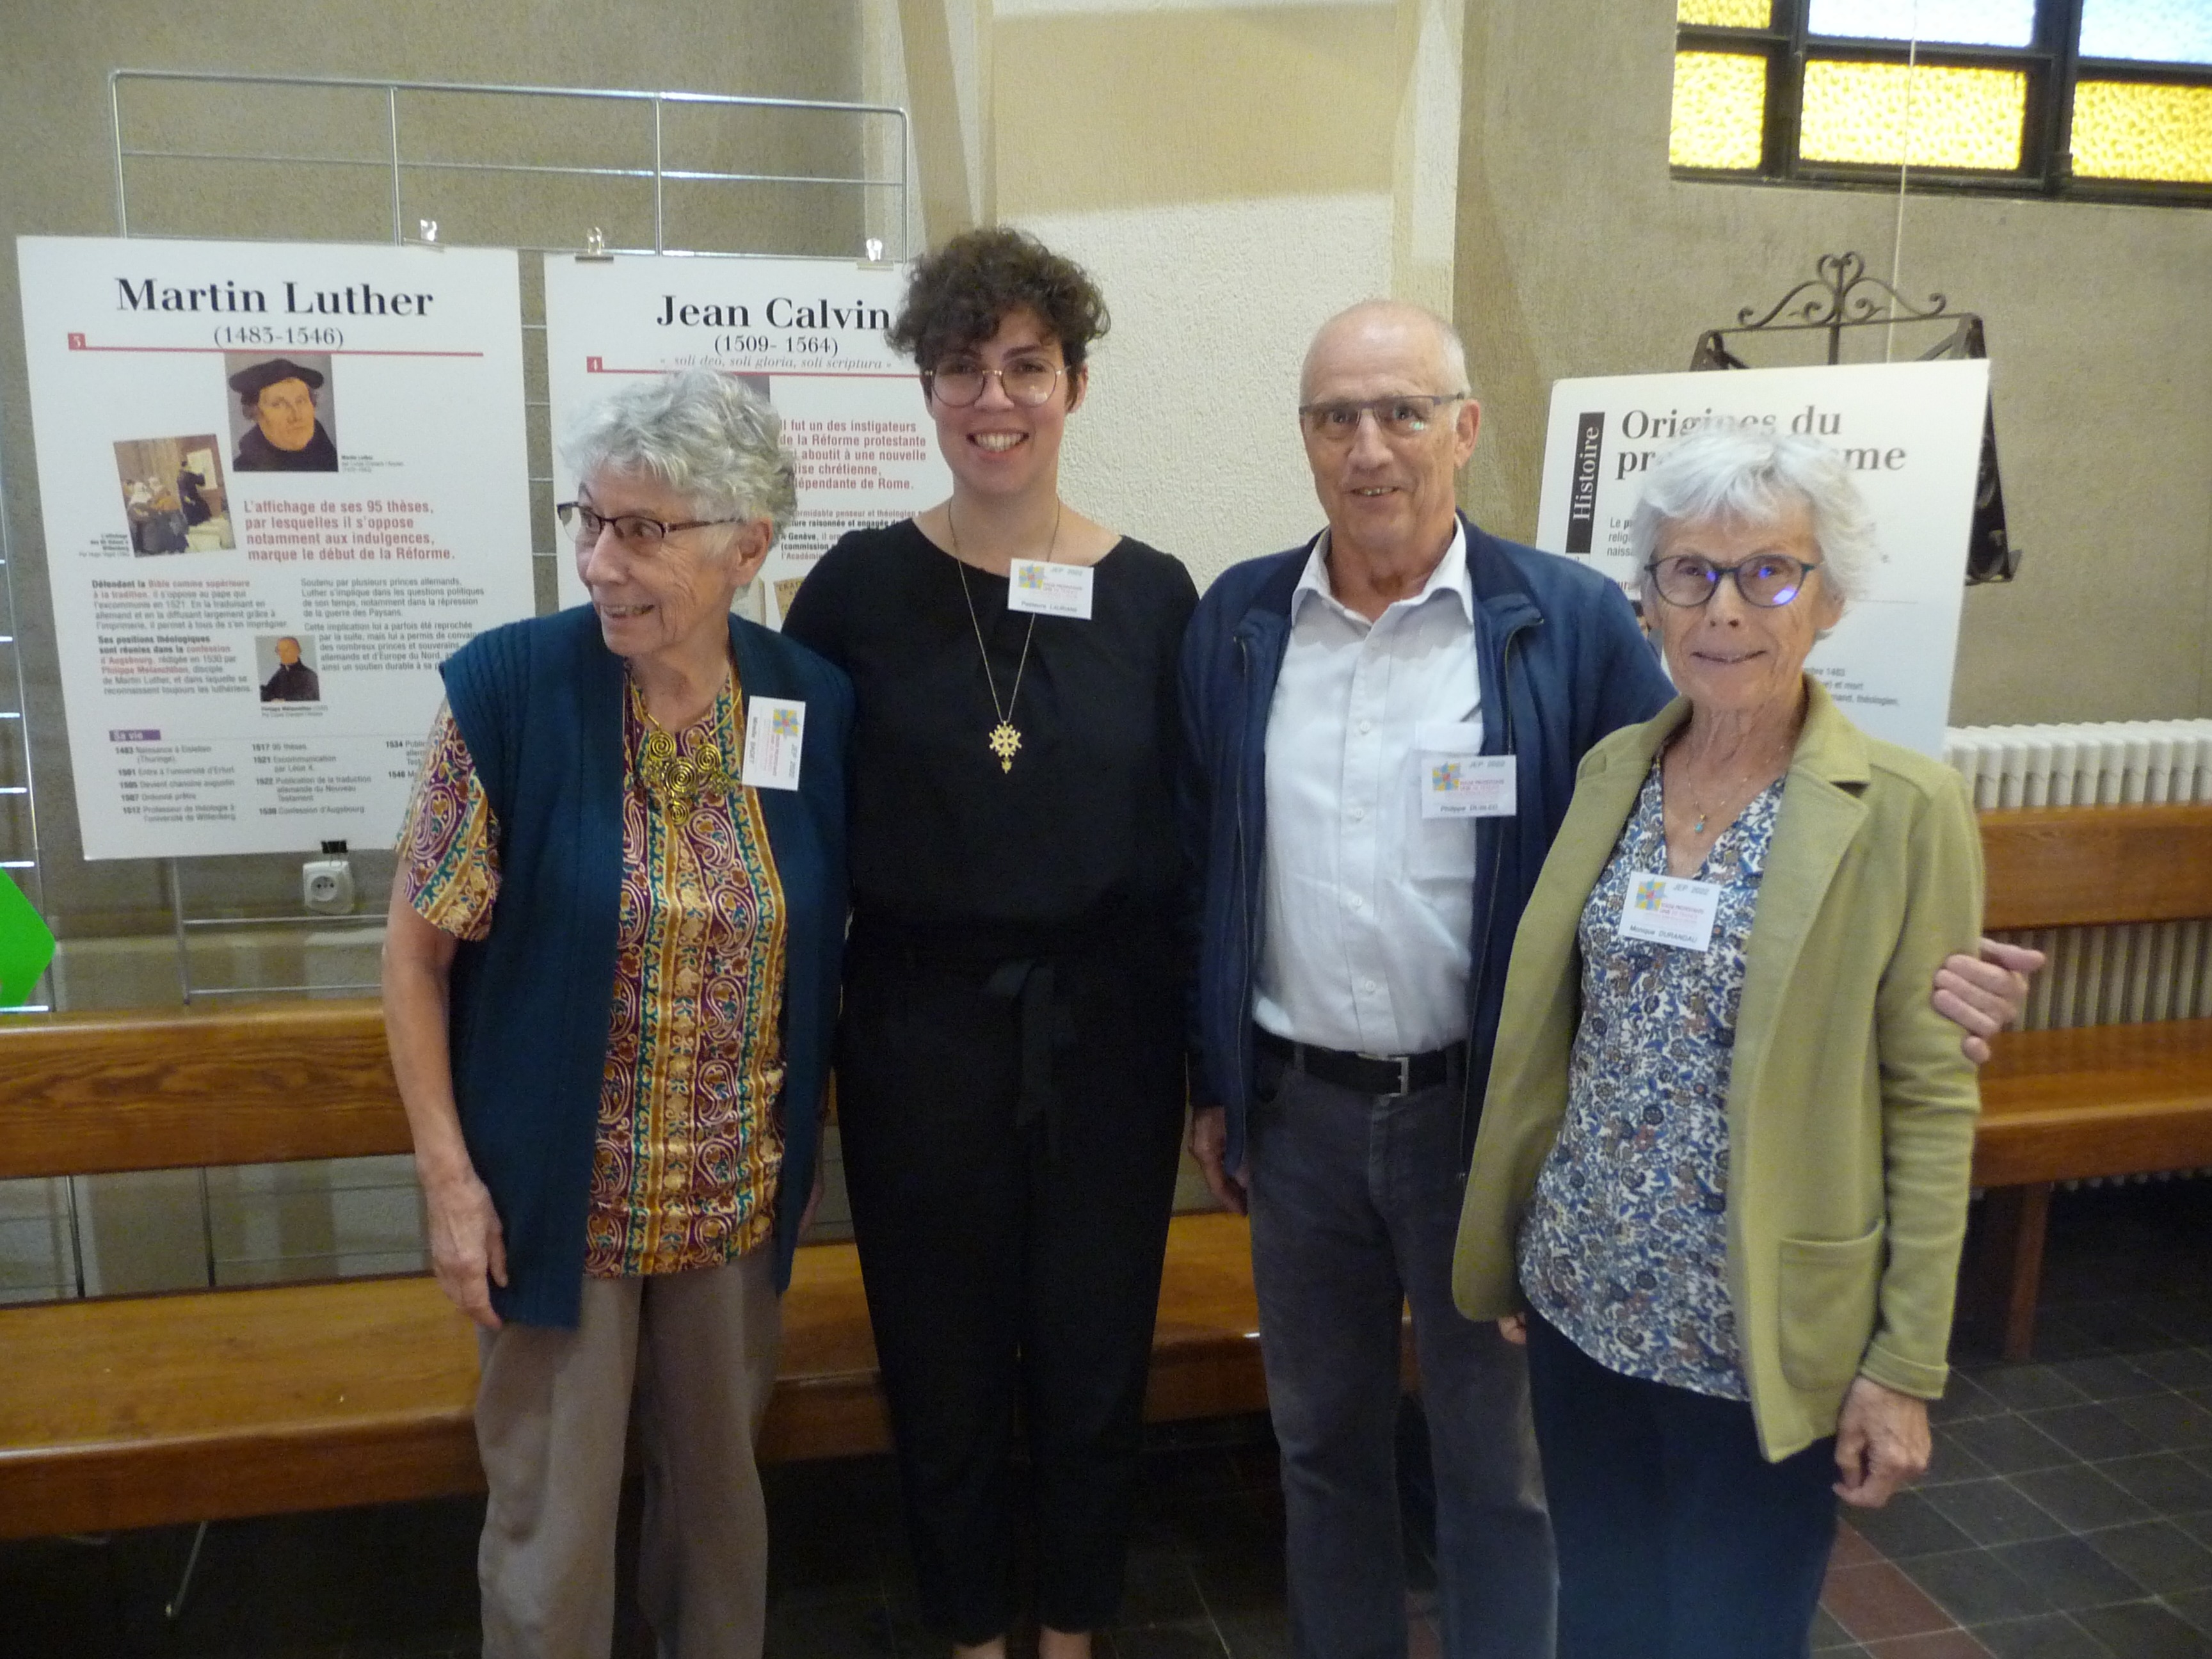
{"points": [[2101, 976]]}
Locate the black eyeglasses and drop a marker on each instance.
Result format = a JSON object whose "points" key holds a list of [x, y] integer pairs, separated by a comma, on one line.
{"points": [[1402, 416], [631, 529], [1770, 581], [1028, 381]]}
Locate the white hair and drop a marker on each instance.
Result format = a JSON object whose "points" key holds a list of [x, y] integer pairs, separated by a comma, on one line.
{"points": [[702, 434], [1748, 475]]}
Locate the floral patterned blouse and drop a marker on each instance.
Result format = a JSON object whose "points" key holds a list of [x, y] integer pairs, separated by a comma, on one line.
{"points": [[1624, 1246], [688, 1147]]}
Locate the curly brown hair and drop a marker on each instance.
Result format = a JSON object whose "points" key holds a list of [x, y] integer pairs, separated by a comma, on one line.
{"points": [[958, 295]]}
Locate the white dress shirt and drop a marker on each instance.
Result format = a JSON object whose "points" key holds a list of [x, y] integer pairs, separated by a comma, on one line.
{"points": [[1368, 904]]}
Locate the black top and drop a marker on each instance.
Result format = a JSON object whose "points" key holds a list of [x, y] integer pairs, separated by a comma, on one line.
{"points": [[257, 454], [1083, 826]]}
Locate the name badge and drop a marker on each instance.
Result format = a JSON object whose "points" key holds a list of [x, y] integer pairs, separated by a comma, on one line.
{"points": [[1049, 590], [774, 730], [1467, 786], [1670, 910]]}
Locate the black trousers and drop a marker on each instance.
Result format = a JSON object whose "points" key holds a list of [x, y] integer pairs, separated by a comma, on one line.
{"points": [[1011, 1144], [1677, 1539]]}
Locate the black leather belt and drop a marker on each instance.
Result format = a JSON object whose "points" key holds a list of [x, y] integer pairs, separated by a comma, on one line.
{"points": [[1367, 1074]]}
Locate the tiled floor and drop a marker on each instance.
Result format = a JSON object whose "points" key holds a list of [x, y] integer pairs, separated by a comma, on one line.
{"points": [[2068, 1510], [2068, 1513]]}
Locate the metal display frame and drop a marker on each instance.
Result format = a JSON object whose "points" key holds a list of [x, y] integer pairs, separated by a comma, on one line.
{"points": [[1844, 293], [397, 164]]}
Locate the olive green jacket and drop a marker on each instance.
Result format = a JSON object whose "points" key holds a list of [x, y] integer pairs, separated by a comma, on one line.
{"points": [[1851, 1107]]}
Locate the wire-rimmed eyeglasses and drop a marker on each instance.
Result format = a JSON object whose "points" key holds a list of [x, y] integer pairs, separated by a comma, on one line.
{"points": [[1028, 381], [1402, 416], [631, 529]]}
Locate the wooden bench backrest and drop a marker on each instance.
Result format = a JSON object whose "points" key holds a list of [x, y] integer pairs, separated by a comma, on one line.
{"points": [[91, 1094], [2073, 867]]}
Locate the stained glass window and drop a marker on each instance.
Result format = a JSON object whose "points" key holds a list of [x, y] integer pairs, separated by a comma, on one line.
{"points": [[2161, 31], [1726, 14], [2137, 129], [1884, 114], [1720, 109], [1971, 96], [1973, 22]]}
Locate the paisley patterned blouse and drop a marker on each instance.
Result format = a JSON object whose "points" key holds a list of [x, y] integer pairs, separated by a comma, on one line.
{"points": [[1624, 1248], [688, 1146]]}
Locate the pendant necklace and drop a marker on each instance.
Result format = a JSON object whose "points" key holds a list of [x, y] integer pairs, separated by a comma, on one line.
{"points": [[675, 782], [1005, 738]]}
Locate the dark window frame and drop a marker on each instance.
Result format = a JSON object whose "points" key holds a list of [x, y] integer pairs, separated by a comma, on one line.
{"points": [[2050, 61]]}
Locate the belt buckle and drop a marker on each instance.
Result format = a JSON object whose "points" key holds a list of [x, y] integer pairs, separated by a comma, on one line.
{"points": [[1404, 1065]]}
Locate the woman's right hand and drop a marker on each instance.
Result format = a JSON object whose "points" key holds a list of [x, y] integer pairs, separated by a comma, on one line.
{"points": [[468, 1249]]}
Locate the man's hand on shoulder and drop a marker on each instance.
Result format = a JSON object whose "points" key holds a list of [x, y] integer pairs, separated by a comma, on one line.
{"points": [[1982, 995]]}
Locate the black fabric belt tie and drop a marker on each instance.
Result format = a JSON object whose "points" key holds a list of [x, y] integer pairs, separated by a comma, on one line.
{"points": [[1367, 1074], [1042, 1026]]}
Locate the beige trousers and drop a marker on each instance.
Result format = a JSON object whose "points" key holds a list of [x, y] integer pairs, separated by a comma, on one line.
{"points": [[552, 1412]]}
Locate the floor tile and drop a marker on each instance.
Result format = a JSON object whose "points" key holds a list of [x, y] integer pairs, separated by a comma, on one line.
{"points": [[1851, 1547], [2195, 1607], [1257, 1635], [2094, 1431], [2107, 1376], [1191, 1639], [1993, 1511], [2044, 1636], [2008, 1445], [2081, 1497], [1939, 1645], [1158, 1588], [1828, 1635], [2171, 1422], [1974, 1587], [2031, 1387], [2197, 1524], [1910, 1524], [1966, 1397], [2168, 1482], [2067, 1574], [1953, 1463], [2144, 1630], [2177, 1368], [2157, 1554], [1877, 1601]]}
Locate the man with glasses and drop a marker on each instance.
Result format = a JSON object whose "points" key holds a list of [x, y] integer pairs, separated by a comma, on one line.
{"points": [[1384, 729]]}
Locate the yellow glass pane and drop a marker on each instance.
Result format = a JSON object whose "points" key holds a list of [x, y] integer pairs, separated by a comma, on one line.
{"points": [[1720, 109], [1885, 115], [1726, 14], [2131, 129]]}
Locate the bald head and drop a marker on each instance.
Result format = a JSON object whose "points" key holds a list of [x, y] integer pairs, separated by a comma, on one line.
{"points": [[1387, 327]]}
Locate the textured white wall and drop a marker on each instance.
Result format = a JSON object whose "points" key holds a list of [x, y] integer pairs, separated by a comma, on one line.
{"points": [[1189, 439]]}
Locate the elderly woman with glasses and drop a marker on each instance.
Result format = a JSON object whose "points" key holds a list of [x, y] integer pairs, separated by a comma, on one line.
{"points": [[610, 984], [1010, 1066], [1721, 1171]]}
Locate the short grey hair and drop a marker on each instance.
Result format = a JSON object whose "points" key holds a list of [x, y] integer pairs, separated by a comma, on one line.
{"points": [[1448, 339], [703, 433], [1748, 475]]}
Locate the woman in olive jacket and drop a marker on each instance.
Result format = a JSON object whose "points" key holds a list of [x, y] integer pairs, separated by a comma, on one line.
{"points": [[1723, 1160]]}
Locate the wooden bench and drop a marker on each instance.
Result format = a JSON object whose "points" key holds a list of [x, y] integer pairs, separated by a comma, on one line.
{"points": [[2099, 1100], [209, 1404]]}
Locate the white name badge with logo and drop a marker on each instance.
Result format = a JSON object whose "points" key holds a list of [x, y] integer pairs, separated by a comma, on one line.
{"points": [[774, 730], [1456, 781], [1049, 590], [1670, 910]]}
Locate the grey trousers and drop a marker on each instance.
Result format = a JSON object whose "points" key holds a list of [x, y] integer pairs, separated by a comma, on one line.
{"points": [[551, 1413], [1355, 1208]]}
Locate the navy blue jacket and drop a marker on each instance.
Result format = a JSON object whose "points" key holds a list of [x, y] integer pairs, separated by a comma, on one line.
{"points": [[1561, 663], [539, 704]]}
